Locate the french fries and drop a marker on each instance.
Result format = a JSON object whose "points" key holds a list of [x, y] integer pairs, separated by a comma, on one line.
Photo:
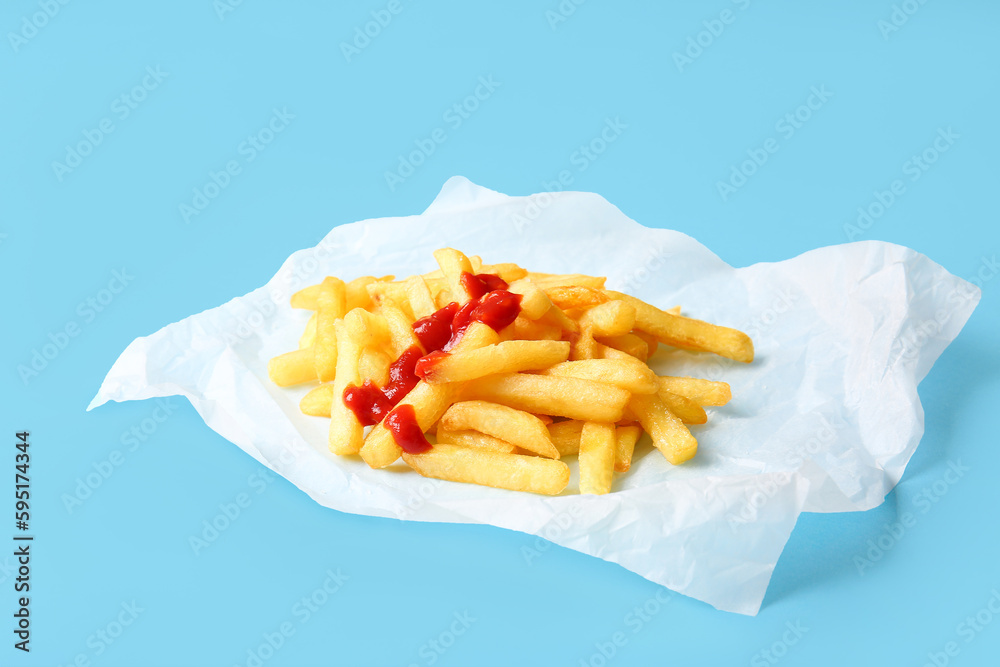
{"points": [[484, 356]]}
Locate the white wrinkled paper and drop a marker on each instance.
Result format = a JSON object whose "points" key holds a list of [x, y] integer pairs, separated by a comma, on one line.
{"points": [[824, 420]]}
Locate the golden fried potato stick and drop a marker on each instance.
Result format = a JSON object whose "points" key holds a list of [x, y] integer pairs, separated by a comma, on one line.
{"points": [[474, 439], [502, 471], [688, 333], [668, 432], [331, 304], [565, 435], [613, 318], [318, 401], [291, 368], [628, 373], [551, 395], [308, 337], [702, 392], [429, 403], [453, 264], [514, 426], [687, 410], [625, 439], [504, 357], [597, 457]]}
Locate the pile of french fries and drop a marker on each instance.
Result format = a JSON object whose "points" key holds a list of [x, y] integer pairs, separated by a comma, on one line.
{"points": [[567, 377]]}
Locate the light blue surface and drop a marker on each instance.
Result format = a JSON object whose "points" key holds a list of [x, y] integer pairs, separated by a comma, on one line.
{"points": [[885, 98]]}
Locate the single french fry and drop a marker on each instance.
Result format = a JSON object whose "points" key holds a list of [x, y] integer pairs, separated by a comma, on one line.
{"points": [[429, 403], [356, 291], [504, 357], [597, 457], [686, 332], [583, 346], [308, 337], [525, 329], [629, 374], [612, 318], [514, 426], [565, 435], [400, 328], [702, 392], [476, 336], [453, 264], [419, 295], [547, 280], [374, 365], [687, 410], [551, 395], [534, 302], [474, 439], [318, 401], [346, 432], [625, 439], [668, 432], [291, 368], [576, 296], [503, 471], [602, 351], [629, 343], [331, 304]]}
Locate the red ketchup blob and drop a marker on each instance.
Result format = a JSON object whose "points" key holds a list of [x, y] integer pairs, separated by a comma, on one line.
{"points": [[402, 424], [478, 285], [370, 404], [497, 309], [426, 363], [434, 331]]}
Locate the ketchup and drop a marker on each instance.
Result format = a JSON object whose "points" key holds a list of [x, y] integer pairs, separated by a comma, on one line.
{"points": [[478, 285], [434, 330], [402, 424], [369, 403]]}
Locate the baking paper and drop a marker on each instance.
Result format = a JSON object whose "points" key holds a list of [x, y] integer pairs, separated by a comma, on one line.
{"points": [[824, 420]]}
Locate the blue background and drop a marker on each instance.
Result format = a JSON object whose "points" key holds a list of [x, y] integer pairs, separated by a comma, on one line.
{"points": [[559, 82]]}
